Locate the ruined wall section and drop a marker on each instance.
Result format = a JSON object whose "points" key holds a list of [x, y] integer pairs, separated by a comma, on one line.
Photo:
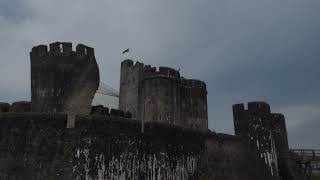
{"points": [[280, 134], [63, 80], [38, 146], [254, 125], [15, 107], [131, 79]]}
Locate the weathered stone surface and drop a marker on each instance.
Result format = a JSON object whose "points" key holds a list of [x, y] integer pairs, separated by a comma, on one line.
{"points": [[20, 106], [128, 115], [99, 110], [116, 112], [4, 107], [38, 146], [162, 96], [63, 80], [266, 132], [31, 146]]}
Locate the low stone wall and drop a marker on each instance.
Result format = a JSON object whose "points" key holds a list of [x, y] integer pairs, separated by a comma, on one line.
{"points": [[38, 146]]}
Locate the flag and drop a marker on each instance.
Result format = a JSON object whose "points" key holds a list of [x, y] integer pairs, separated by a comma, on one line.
{"points": [[125, 51]]}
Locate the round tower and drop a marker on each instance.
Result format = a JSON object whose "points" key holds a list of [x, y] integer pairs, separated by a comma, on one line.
{"points": [[194, 110], [131, 77], [161, 100]]}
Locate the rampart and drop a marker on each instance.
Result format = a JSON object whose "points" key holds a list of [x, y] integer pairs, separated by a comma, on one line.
{"points": [[163, 95], [39, 146]]}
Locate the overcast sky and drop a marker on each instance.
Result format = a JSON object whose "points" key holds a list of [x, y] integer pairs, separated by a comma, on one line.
{"points": [[245, 50]]}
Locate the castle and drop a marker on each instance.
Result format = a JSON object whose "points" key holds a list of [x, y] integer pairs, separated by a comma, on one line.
{"points": [[59, 135], [162, 96]]}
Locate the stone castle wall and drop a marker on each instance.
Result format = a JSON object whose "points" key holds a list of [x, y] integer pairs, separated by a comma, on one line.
{"points": [[267, 132], [37, 146], [254, 125], [163, 95], [63, 80]]}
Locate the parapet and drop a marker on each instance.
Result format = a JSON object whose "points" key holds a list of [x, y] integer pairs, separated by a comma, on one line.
{"points": [[99, 110], [237, 108], [253, 107], [127, 62], [104, 111], [258, 107], [166, 71], [194, 84], [84, 50], [278, 116], [116, 112], [4, 107], [20, 106], [62, 48], [41, 50], [58, 48], [151, 72]]}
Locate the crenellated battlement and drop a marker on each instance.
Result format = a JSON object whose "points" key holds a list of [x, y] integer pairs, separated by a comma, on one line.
{"points": [[259, 107], [58, 48], [15, 107], [20, 106], [238, 108], [166, 71], [41, 50], [60, 76], [194, 83], [150, 72], [278, 115], [128, 63], [84, 50], [4, 107], [104, 111], [62, 48], [253, 107]]}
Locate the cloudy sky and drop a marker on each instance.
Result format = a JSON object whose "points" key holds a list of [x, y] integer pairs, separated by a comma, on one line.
{"points": [[245, 50]]}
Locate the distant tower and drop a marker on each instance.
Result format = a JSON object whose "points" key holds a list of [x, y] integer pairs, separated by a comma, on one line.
{"points": [[263, 129], [194, 106], [162, 100], [162, 95], [63, 80], [131, 79]]}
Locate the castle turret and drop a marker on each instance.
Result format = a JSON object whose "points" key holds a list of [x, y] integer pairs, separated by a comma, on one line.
{"points": [[162, 95], [131, 79], [264, 130], [63, 80]]}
